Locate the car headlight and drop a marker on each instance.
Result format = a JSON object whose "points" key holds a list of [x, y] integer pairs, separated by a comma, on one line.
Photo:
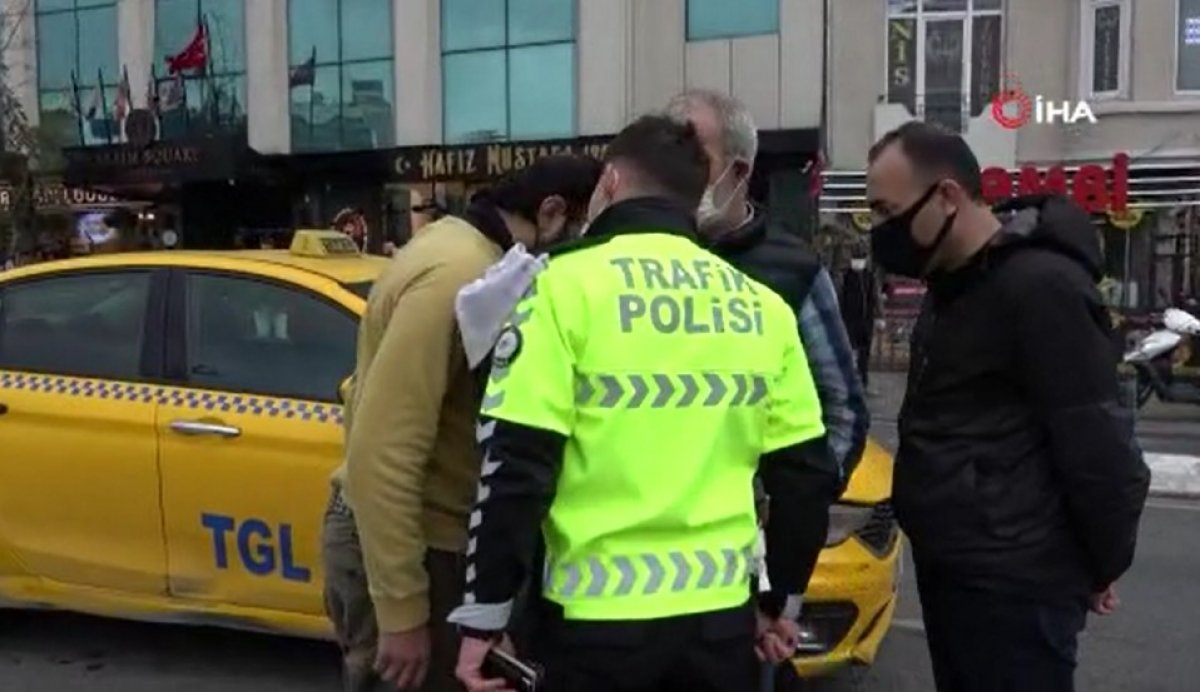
{"points": [[844, 520]]}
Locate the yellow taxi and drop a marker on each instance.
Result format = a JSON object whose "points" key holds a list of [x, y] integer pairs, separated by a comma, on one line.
{"points": [[169, 421]]}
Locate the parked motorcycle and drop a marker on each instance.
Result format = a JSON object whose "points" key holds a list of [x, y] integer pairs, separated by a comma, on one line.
{"points": [[1151, 360]]}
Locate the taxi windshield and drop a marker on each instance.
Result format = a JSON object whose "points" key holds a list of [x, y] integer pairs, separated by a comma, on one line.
{"points": [[360, 288]]}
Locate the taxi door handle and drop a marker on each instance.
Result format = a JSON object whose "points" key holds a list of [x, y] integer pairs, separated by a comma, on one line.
{"points": [[194, 427], [3, 409]]}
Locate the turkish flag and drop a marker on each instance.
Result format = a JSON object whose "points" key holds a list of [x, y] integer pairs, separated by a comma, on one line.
{"points": [[194, 55]]}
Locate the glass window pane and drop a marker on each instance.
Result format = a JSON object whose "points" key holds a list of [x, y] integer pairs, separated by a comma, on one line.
{"points": [[78, 325], [174, 26], [227, 35], [250, 336], [90, 3], [540, 21], [468, 24], [51, 5], [366, 29], [902, 6], [58, 122], [721, 18], [1106, 49], [308, 28], [987, 5], [944, 5], [475, 95], [985, 62], [944, 72], [56, 50], [542, 91], [98, 44], [316, 112], [1188, 78], [367, 121]]}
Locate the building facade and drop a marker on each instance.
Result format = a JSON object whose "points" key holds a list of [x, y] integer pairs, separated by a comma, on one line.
{"points": [[1079, 83], [292, 111]]}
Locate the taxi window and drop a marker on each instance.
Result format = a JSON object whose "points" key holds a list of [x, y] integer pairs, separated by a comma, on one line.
{"points": [[91, 325], [246, 335]]}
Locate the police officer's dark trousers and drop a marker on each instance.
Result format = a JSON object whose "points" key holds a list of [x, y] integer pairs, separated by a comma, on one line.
{"points": [[709, 652]]}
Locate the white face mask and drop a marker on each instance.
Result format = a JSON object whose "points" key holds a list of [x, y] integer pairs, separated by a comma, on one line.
{"points": [[858, 264], [708, 209]]}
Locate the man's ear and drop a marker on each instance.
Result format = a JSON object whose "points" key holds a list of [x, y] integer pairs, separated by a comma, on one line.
{"points": [[742, 169]]}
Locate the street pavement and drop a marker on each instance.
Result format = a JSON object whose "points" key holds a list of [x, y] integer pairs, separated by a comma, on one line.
{"points": [[1150, 645]]}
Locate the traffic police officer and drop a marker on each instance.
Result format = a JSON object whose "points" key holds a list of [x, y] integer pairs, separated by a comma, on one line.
{"points": [[633, 395]]}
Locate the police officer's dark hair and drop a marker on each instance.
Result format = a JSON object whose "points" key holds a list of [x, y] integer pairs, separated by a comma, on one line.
{"points": [[666, 155], [935, 152], [570, 176]]}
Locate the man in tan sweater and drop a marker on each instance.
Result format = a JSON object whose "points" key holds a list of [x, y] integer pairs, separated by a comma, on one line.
{"points": [[396, 524]]}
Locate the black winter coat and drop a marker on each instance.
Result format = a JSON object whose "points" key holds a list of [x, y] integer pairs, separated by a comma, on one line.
{"points": [[1018, 471]]}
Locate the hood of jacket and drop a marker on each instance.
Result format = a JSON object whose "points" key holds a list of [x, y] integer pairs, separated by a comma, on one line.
{"points": [[1051, 222]]}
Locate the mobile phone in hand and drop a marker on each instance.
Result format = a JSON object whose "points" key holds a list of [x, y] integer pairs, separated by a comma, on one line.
{"points": [[520, 676]]}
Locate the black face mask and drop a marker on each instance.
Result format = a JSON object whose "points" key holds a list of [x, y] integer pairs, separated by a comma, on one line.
{"points": [[893, 247]]}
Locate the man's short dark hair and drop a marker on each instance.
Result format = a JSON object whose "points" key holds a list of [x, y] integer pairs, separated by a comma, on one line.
{"points": [[934, 152], [666, 155], [570, 176]]}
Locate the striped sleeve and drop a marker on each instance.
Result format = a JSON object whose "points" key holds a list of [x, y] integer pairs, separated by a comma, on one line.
{"points": [[831, 361]]}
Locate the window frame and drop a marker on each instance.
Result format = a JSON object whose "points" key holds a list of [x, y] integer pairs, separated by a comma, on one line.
{"points": [[507, 48], [176, 328], [920, 16], [687, 34], [341, 63], [108, 88], [228, 121], [154, 318], [1187, 93], [1087, 50]]}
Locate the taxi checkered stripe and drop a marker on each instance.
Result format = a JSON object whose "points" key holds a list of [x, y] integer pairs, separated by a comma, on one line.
{"points": [[223, 402]]}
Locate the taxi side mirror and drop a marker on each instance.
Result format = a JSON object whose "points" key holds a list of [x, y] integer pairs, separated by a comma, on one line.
{"points": [[344, 390]]}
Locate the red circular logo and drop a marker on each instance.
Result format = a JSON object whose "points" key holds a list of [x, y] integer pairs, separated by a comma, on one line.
{"points": [[1012, 107]]}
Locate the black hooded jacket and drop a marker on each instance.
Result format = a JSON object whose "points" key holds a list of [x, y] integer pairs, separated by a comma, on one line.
{"points": [[1018, 470]]}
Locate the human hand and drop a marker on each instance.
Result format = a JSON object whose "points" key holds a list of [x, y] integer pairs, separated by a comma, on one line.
{"points": [[1107, 601], [777, 638], [403, 657], [469, 671]]}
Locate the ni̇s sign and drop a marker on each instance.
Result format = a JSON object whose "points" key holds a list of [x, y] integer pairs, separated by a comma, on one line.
{"points": [[1095, 188]]}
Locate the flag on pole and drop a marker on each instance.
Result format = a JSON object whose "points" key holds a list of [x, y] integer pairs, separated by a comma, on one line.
{"points": [[173, 94], [122, 105], [152, 91], [304, 74], [93, 105], [77, 106], [194, 55], [108, 126]]}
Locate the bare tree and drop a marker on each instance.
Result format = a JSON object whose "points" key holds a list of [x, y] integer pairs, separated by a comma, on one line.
{"points": [[19, 146]]}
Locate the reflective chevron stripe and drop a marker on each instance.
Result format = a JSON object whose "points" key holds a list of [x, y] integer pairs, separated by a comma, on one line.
{"points": [[660, 390], [649, 574]]}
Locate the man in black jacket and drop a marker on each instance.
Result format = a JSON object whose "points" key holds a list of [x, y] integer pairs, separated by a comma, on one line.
{"points": [[1019, 480]]}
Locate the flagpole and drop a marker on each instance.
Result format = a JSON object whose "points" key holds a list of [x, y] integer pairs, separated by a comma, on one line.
{"points": [[78, 107], [127, 89], [213, 92], [104, 104], [312, 95]]}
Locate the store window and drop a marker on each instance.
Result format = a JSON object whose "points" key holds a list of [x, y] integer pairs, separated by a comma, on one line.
{"points": [[1187, 77], [945, 57], [707, 19], [208, 96], [508, 69], [77, 70], [340, 74], [1106, 26]]}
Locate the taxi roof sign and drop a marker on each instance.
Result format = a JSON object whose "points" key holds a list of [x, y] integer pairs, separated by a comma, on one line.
{"points": [[323, 243]]}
